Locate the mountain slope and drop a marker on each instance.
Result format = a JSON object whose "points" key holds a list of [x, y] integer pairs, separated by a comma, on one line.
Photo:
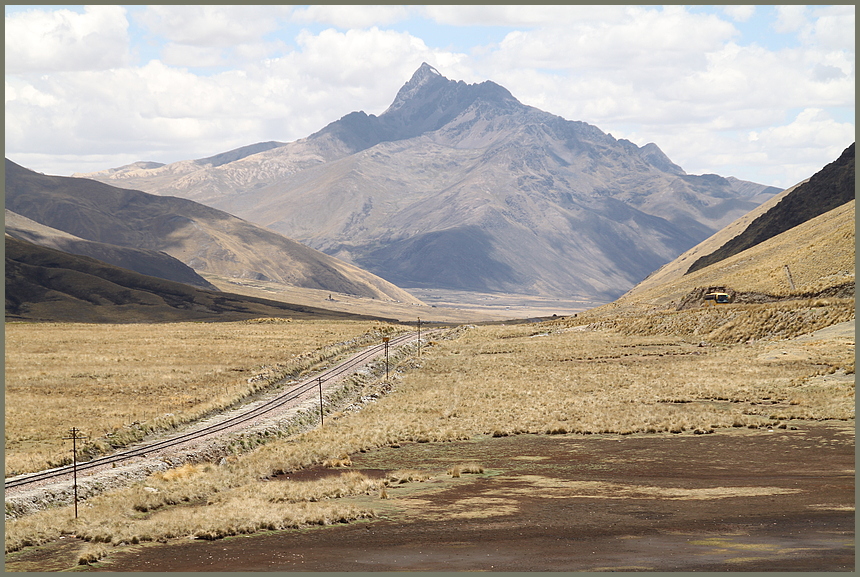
{"points": [[829, 188], [44, 284], [768, 215], [813, 256], [461, 186], [148, 262], [819, 254], [203, 238]]}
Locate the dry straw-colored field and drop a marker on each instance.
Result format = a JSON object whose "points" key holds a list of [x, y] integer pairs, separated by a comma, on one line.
{"points": [[119, 382], [687, 372]]}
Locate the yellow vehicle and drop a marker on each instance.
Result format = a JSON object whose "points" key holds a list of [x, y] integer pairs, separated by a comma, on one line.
{"points": [[717, 298]]}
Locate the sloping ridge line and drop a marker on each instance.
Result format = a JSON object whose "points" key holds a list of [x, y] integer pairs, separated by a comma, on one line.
{"points": [[829, 188]]}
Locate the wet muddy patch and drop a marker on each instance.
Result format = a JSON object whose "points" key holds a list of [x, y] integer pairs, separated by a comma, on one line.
{"points": [[735, 500]]}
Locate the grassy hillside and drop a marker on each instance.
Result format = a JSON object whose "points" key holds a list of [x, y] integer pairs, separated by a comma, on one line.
{"points": [[49, 285], [829, 188], [819, 254], [148, 262]]}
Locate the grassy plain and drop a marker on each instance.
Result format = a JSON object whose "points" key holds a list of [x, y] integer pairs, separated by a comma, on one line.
{"points": [[118, 382], [673, 372]]}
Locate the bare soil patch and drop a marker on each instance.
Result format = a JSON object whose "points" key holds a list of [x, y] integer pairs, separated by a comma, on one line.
{"points": [[734, 500]]}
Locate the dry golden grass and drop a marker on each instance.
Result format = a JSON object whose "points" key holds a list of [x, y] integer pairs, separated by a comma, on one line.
{"points": [[458, 470], [594, 373], [819, 253], [736, 323], [92, 553], [205, 506], [118, 382]]}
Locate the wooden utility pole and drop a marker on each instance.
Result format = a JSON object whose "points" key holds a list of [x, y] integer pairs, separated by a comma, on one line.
{"points": [[385, 340], [419, 336], [74, 436], [321, 405]]}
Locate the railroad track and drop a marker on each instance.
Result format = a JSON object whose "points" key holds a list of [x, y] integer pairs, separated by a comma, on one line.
{"points": [[251, 415]]}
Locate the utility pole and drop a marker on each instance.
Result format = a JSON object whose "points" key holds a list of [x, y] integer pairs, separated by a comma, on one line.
{"points": [[385, 340], [321, 407], [74, 436], [788, 274], [419, 337]]}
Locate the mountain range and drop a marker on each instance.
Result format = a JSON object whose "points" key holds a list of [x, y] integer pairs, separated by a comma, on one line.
{"points": [[461, 186], [170, 238]]}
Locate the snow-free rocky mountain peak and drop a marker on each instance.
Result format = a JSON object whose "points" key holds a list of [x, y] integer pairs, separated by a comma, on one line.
{"points": [[461, 186]]}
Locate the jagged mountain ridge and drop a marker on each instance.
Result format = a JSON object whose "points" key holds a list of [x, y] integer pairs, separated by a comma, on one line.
{"points": [[462, 186], [203, 238]]}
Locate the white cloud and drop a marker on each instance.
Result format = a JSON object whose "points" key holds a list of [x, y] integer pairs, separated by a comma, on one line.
{"points": [[645, 41], [739, 13], [642, 69], [212, 25], [833, 28], [350, 16], [145, 109], [184, 55], [790, 18], [526, 16], [27, 95], [49, 41], [812, 128]]}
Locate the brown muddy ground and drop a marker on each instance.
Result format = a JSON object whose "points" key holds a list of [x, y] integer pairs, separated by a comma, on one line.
{"points": [[734, 500]]}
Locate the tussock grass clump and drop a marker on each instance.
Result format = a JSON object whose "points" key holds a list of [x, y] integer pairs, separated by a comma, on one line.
{"points": [[402, 476], [184, 471], [92, 554], [467, 468], [342, 461]]}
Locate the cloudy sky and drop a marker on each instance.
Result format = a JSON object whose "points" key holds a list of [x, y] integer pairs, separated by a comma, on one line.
{"points": [[763, 93]]}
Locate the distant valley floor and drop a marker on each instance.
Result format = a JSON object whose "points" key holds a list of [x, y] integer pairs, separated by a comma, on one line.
{"points": [[435, 305], [504, 305], [735, 500]]}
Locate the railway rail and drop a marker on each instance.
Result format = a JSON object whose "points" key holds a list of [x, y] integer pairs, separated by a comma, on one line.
{"points": [[245, 417]]}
